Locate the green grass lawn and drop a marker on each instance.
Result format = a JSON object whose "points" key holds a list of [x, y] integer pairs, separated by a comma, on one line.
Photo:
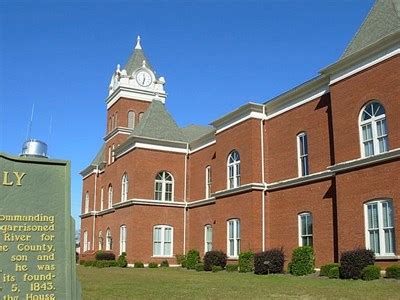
{"points": [[177, 283]]}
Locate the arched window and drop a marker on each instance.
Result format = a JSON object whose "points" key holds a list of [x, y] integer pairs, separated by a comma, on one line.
{"points": [[109, 124], [108, 240], [131, 119], [102, 198], [164, 187], [85, 241], [140, 116], [110, 196], [100, 240], [109, 155], [116, 120], [302, 154], [233, 169], [305, 229], [124, 188], [379, 227], [162, 240], [373, 129], [112, 122], [86, 208], [233, 238], [207, 238], [113, 153], [122, 239]]}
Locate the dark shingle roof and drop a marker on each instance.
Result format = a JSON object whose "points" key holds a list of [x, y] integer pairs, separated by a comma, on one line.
{"points": [[136, 59], [382, 20], [194, 132], [157, 123], [99, 158]]}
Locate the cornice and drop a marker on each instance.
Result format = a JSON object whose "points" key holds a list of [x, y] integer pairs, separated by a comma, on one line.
{"points": [[149, 202], [299, 180], [201, 202], [134, 94], [117, 130], [365, 161], [255, 186]]}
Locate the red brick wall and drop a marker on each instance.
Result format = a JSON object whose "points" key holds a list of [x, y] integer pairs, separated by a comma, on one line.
{"points": [[281, 140], [357, 187], [285, 205], [245, 206], [380, 82]]}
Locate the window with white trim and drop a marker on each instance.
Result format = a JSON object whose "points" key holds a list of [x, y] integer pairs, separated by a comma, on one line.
{"points": [[122, 239], [233, 238], [113, 153], [85, 241], [207, 238], [164, 187], [208, 182], [124, 188], [112, 122], [302, 154], [110, 196], [305, 229], [102, 198], [140, 116], [373, 129], [116, 120], [233, 169], [163, 240], [109, 155], [86, 209], [108, 240], [380, 233], [131, 119], [100, 240]]}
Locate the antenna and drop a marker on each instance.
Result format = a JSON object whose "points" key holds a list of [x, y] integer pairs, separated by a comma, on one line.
{"points": [[29, 131]]}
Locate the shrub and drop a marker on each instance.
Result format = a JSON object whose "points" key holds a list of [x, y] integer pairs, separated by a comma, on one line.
{"points": [[122, 262], [353, 262], [216, 269], [232, 267], [325, 269], [371, 272], [89, 263], [214, 258], [302, 261], [192, 258], [100, 255], [82, 262], [138, 264], [393, 271], [164, 264], [199, 267], [105, 263], [181, 260], [270, 261], [333, 273], [246, 262], [153, 265]]}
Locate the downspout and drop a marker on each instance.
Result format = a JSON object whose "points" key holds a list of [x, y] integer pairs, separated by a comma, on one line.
{"points": [[263, 179], [94, 205], [185, 200]]}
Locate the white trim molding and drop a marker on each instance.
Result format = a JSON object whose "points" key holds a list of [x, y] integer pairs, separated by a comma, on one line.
{"points": [[201, 202], [116, 131], [366, 161], [300, 180], [255, 186], [151, 202], [134, 94]]}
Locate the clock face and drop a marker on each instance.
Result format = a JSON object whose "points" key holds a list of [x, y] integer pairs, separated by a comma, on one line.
{"points": [[143, 78]]}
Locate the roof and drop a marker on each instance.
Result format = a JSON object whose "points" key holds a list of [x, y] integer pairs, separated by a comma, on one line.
{"points": [[136, 59], [157, 123], [194, 132], [99, 158], [382, 20]]}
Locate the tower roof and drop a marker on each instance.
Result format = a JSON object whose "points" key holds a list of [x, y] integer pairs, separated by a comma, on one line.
{"points": [[157, 123], [382, 20], [136, 59]]}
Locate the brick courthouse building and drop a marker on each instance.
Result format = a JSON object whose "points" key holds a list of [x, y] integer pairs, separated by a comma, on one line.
{"points": [[318, 165]]}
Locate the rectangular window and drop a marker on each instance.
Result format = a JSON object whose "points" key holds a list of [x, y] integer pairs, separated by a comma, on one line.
{"points": [[207, 238], [367, 140], [168, 191], [208, 182], [162, 240], [233, 238], [382, 135], [122, 239], [101, 199], [380, 236], [302, 150], [158, 191], [305, 229]]}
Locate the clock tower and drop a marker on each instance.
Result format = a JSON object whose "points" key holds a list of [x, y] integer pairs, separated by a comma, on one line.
{"points": [[130, 92]]}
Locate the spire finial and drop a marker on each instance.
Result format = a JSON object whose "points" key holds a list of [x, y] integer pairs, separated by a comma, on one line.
{"points": [[138, 46]]}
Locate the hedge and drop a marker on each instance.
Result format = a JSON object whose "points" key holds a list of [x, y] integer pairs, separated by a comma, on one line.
{"points": [[214, 258], [270, 261], [302, 261], [246, 262], [353, 262]]}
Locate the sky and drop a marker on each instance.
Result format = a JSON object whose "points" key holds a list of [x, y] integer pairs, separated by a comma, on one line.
{"points": [[58, 56]]}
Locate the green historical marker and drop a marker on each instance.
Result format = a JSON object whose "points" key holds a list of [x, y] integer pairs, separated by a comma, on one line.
{"points": [[37, 248]]}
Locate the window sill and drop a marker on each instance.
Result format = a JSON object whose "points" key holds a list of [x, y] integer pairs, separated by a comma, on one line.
{"points": [[387, 257], [162, 256], [232, 258]]}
